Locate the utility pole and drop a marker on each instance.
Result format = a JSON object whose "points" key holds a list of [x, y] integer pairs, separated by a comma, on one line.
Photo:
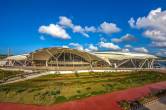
{"points": [[9, 52]]}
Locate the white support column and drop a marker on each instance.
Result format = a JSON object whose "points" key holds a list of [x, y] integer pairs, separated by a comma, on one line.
{"points": [[133, 63], [90, 61], [25, 63], [152, 63], [13, 62], [123, 62], [73, 61], [46, 63], [143, 63], [32, 62], [57, 65], [64, 59]]}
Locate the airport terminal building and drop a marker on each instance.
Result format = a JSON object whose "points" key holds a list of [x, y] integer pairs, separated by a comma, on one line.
{"points": [[58, 58]]}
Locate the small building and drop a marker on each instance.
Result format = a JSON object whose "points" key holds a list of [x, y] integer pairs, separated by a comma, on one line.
{"points": [[17, 60]]}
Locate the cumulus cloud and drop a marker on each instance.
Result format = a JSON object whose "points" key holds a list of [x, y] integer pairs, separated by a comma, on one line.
{"points": [[87, 50], [67, 22], [141, 50], [109, 45], [103, 39], [125, 50], [108, 28], [155, 35], [76, 46], [64, 21], [154, 25], [127, 37], [65, 46], [92, 47], [161, 52], [159, 44], [55, 31], [79, 29], [131, 22], [59, 29], [90, 29], [128, 46]]}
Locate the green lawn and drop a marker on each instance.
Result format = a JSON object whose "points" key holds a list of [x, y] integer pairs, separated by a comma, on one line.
{"points": [[5, 73], [56, 88]]}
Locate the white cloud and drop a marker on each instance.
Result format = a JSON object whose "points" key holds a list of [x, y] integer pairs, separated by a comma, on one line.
{"points": [[108, 28], [87, 50], [127, 37], [128, 46], [161, 52], [141, 50], [131, 22], [65, 46], [154, 25], [159, 44], [58, 30], [77, 46], [55, 31], [90, 29], [155, 35], [65, 21], [109, 45], [79, 29], [103, 39], [125, 50], [92, 47]]}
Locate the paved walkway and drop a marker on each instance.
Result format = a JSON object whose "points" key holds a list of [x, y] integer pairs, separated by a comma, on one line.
{"points": [[100, 102], [157, 105], [34, 75]]}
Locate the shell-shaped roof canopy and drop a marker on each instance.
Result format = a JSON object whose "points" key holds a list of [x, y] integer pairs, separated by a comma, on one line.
{"points": [[124, 55], [46, 53], [17, 57]]}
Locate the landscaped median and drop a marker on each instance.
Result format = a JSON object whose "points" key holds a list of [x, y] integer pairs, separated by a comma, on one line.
{"points": [[5, 74], [58, 88]]}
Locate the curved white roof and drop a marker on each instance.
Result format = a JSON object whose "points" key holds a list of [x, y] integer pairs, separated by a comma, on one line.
{"points": [[17, 57], [124, 55]]}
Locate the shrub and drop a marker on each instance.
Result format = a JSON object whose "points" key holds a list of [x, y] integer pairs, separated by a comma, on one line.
{"points": [[4, 89], [34, 89], [77, 96], [124, 104], [88, 88], [61, 99], [57, 92], [78, 91], [45, 93], [97, 92], [20, 89], [53, 93]]}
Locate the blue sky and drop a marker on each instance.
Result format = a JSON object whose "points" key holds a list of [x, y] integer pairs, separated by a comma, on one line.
{"points": [[95, 25]]}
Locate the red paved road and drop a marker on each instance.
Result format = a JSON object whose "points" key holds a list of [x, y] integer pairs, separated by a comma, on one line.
{"points": [[100, 102]]}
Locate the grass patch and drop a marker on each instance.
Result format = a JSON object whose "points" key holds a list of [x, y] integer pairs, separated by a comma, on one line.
{"points": [[4, 73], [58, 88]]}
